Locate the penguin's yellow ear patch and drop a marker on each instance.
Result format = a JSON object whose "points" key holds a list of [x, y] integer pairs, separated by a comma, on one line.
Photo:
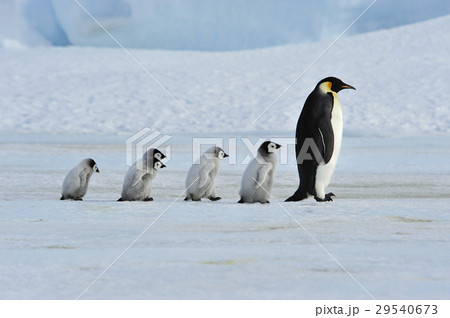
{"points": [[326, 87]]}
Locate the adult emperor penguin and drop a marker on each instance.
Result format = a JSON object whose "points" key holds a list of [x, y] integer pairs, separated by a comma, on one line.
{"points": [[318, 140], [137, 182], [201, 176], [77, 180], [257, 180]]}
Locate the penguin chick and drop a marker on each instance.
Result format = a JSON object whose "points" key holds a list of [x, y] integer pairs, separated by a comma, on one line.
{"points": [[138, 179], [257, 180], [201, 176], [77, 180]]}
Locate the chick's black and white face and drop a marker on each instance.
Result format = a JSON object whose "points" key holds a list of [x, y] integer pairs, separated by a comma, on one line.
{"points": [[158, 165], [271, 147], [219, 153], [158, 156], [95, 168]]}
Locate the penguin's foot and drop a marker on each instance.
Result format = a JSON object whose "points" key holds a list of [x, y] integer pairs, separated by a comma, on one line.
{"points": [[265, 202], [148, 199], [327, 197], [214, 198], [78, 199], [241, 201], [62, 198], [192, 199], [120, 200]]}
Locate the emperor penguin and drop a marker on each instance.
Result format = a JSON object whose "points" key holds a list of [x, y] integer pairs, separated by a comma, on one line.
{"points": [[138, 179], [77, 180], [257, 181], [201, 176], [318, 140]]}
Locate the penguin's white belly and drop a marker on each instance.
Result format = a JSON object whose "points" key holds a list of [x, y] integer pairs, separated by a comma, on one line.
{"points": [[72, 187], [140, 190], [249, 191], [193, 179], [325, 171]]}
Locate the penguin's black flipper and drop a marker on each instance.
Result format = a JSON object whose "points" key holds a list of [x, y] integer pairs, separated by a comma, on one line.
{"points": [[326, 136]]}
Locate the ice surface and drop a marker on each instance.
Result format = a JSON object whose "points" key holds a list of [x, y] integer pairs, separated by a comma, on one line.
{"points": [[388, 227]]}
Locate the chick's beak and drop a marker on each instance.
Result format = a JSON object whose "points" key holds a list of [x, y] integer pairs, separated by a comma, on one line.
{"points": [[225, 155], [277, 146]]}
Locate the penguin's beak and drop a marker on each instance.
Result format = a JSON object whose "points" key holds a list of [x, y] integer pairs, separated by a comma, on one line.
{"points": [[225, 155], [163, 156], [277, 146], [97, 170], [346, 86], [162, 165]]}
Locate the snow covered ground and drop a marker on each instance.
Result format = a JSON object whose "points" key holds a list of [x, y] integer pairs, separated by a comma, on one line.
{"points": [[388, 226]]}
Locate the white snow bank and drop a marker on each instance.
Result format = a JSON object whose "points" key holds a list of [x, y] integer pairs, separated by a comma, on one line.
{"points": [[401, 76]]}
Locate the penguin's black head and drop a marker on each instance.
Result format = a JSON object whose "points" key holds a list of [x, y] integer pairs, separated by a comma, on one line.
{"points": [[268, 147], [157, 165], [220, 153], [154, 153], [91, 163], [158, 154], [334, 84], [214, 153]]}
